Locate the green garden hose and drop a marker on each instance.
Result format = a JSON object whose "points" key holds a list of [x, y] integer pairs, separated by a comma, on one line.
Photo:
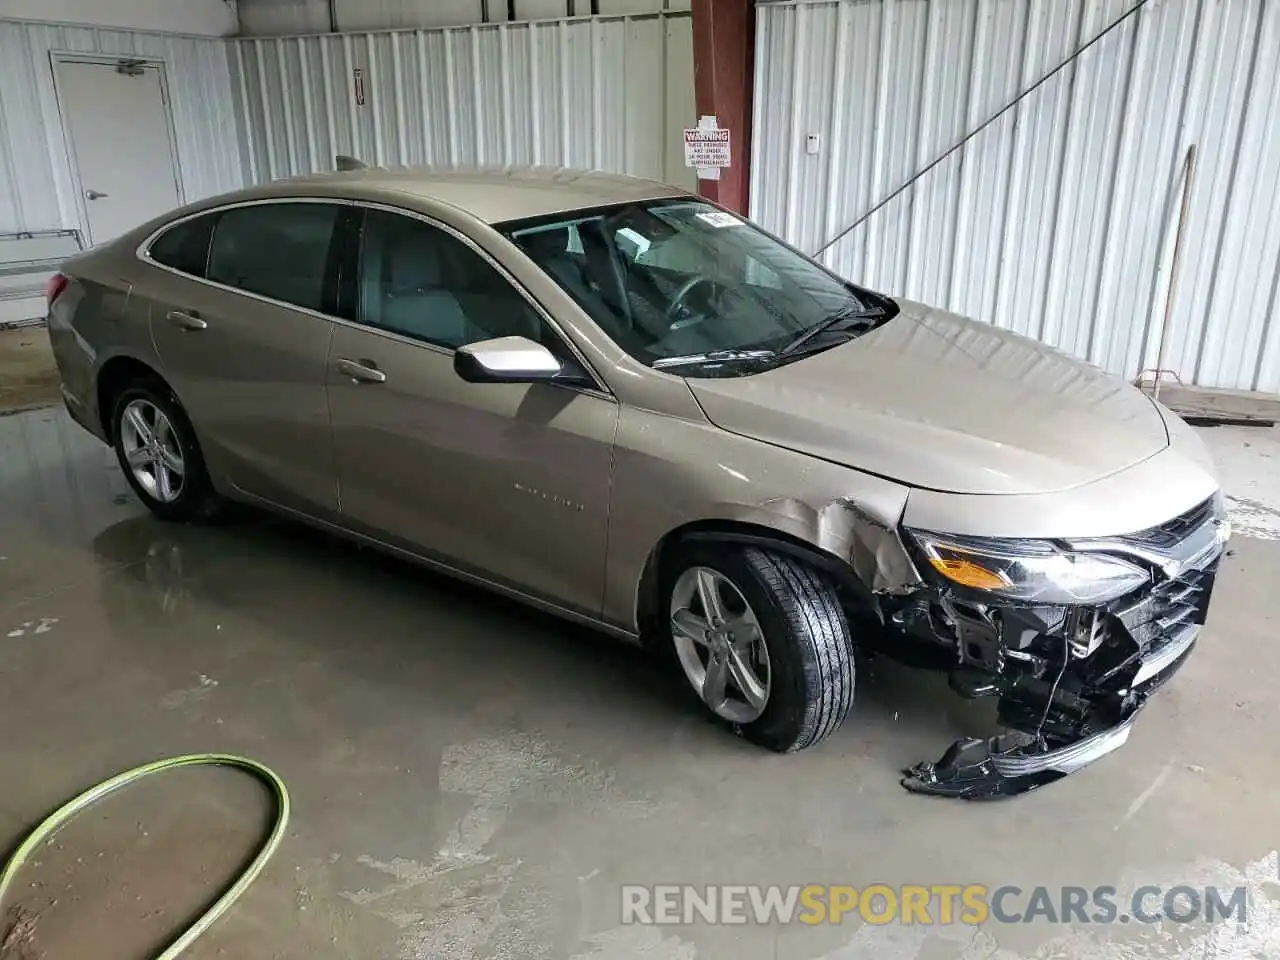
{"points": [[59, 818]]}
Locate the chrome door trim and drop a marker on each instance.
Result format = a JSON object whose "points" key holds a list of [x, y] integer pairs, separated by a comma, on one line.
{"points": [[143, 253]]}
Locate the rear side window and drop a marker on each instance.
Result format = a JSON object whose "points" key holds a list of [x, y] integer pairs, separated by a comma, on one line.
{"points": [[186, 246], [277, 250]]}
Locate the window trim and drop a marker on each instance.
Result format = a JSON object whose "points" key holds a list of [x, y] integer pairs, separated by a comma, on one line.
{"points": [[600, 388], [169, 228], [330, 265], [143, 251]]}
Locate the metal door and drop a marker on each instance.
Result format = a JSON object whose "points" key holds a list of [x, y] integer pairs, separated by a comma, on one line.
{"points": [[116, 119]]}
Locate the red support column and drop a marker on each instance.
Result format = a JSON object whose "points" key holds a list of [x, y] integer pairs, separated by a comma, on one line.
{"points": [[723, 64]]}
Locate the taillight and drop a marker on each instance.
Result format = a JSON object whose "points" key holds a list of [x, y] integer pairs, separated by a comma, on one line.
{"points": [[57, 283]]}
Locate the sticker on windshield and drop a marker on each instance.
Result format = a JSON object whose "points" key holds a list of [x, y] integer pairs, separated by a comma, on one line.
{"points": [[718, 218]]}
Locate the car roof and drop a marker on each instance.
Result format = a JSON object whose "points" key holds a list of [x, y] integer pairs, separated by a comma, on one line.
{"points": [[494, 194]]}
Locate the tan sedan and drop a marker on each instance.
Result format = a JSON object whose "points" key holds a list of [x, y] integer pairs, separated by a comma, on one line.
{"points": [[625, 405]]}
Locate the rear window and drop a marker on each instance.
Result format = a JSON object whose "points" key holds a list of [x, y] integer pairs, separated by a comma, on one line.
{"points": [[185, 247]]}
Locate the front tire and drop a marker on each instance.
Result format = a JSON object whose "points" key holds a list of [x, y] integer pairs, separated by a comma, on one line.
{"points": [[158, 452], [762, 641]]}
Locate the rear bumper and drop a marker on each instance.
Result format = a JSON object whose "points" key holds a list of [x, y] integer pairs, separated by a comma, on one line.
{"points": [[80, 415]]}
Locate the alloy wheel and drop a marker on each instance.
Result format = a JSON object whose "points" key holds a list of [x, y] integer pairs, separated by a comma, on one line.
{"points": [[151, 450], [720, 644]]}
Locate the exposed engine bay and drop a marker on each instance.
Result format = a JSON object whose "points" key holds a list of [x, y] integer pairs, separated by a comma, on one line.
{"points": [[1070, 678]]}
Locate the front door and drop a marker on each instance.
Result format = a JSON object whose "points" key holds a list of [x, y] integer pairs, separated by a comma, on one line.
{"points": [[118, 123], [509, 481], [240, 302]]}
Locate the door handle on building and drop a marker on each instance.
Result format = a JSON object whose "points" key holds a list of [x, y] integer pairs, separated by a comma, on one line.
{"points": [[362, 371], [94, 195]]}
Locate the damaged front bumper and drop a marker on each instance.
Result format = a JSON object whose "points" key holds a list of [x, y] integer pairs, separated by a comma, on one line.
{"points": [[1018, 761], [1070, 681]]}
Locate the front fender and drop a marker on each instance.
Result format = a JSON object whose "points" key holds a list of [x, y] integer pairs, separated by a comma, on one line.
{"points": [[671, 473]]}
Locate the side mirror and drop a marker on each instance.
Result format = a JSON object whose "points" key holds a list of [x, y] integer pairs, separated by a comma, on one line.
{"points": [[506, 360]]}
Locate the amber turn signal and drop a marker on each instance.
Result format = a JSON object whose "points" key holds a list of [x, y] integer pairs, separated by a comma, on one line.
{"points": [[967, 573]]}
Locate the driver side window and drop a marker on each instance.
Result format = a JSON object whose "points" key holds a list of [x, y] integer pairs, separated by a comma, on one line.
{"points": [[419, 281]]}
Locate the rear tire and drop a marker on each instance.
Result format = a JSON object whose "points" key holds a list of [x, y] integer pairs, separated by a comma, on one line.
{"points": [[160, 456], [808, 652]]}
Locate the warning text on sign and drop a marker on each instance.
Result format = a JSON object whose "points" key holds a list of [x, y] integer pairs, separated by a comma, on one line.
{"points": [[706, 148]]}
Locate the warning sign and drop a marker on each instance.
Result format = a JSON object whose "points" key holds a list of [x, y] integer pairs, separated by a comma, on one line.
{"points": [[706, 148]]}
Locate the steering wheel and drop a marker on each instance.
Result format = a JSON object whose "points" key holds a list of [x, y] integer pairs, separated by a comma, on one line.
{"points": [[686, 288]]}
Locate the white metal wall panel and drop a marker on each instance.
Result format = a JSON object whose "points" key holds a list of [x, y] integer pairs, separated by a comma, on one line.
{"points": [[633, 6], [271, 18], [392, 14], [263, 18], [602, 93], [1055, 221], [543, 9], [205, 18], [36, 189]]}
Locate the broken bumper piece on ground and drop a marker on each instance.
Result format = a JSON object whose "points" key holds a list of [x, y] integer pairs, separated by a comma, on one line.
{"points": [[1019, 761], [1009, 764]]}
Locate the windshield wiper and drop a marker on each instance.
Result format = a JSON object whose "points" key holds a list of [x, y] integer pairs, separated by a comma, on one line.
{"points": [[846, 315], [715, 356]]}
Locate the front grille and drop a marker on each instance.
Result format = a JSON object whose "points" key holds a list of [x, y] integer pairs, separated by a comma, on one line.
{"points": [[1161, 611], [1139, 629], [1172, 532]]}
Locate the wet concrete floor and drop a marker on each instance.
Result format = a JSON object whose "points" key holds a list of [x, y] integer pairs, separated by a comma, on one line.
{"points": [[471, 779], [28, 376]]}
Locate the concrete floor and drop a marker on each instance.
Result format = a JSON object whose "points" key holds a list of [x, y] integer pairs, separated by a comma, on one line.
{"points": [[473, 780], [28, 376]]}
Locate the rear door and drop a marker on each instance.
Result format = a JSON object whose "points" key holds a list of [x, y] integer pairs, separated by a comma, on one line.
{"points": [[240, 316], [506, 480]]}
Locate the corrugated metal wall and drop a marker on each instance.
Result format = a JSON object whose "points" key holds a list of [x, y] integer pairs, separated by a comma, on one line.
{"points": [[36, 191], [201, 18], [603, 93], [1056, 220], [275, 17]]}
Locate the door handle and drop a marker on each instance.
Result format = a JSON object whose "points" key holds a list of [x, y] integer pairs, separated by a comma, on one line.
{"points": [[361, 371], [94, 195], [187, 321]]}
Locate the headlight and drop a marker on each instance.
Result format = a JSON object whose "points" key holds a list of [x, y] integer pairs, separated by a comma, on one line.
{"points": [[1030, 570]]}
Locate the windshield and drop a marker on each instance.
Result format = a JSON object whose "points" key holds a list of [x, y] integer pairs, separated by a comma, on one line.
{"points": [[683, 285]]}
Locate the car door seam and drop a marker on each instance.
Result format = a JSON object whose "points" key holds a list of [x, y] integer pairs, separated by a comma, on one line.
{"points": [[608, 507], [334, 459]]}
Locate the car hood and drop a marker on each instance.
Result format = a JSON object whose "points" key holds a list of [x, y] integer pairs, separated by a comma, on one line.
{"points": [[934, 400]]}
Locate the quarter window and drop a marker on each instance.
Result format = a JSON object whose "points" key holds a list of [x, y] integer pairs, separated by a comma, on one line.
{"points": [[418, 281], [277, 250], [185, 247]]}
